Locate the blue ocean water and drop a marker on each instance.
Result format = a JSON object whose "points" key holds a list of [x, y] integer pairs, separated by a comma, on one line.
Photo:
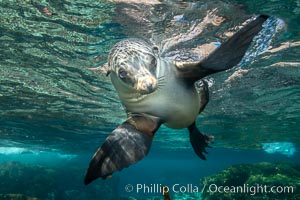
{"points": [[55, 111]]}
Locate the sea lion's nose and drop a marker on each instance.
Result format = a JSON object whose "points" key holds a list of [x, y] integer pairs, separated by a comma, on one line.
{"points": [[147, 84]]}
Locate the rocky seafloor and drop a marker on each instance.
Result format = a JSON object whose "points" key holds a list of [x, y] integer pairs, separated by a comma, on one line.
{"points": [[20, 181]]}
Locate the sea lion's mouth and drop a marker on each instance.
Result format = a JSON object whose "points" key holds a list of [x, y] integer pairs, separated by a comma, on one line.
{"points": [[146, 85]]}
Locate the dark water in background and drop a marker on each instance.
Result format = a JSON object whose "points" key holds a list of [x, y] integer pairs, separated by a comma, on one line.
{"points": [[55, 112]]}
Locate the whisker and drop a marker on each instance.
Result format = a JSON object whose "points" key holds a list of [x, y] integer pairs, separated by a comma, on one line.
{"points": [[161, 79], [161, 82]]}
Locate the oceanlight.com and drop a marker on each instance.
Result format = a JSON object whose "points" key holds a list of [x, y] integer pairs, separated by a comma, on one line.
{"points": [[247, 189], [211, 188]]}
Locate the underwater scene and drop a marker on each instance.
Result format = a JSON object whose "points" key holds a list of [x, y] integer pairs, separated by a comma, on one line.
{"points": [[79, 120]]}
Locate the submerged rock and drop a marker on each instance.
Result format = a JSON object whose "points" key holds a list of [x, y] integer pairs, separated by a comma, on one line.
{"points": [[19, 181], [16, 178], [16, 197], [253, 181]]}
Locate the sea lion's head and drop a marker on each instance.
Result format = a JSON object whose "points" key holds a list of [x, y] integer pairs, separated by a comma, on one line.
{"points": [[134, 63]]}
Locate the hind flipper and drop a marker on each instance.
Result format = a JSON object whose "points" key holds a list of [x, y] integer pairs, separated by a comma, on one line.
{"points": [[204, 94], [224, 57], [126, 145], [199, 140]]}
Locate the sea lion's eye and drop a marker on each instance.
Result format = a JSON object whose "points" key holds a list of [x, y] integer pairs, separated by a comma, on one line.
{"points": [[122, 73]]}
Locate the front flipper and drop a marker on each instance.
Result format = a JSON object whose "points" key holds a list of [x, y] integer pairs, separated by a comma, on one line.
{"points": [[224, 57], [126, 145], [199, 140]]}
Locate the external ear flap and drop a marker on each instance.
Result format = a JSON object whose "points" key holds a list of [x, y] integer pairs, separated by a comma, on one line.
{"points": [[102, 69], [155, 50]]}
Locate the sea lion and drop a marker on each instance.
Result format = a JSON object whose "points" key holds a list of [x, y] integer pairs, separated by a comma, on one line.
{"points": [[156, 91]]}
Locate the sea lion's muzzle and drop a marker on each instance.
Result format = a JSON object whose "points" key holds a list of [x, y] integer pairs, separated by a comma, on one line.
{"points": [[146, 84]]}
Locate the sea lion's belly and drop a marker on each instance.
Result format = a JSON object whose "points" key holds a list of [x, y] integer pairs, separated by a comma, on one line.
{"points": [[179, 107]]}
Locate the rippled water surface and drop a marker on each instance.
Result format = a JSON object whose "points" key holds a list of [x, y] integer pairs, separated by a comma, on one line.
{"points": [[54, 108]]}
